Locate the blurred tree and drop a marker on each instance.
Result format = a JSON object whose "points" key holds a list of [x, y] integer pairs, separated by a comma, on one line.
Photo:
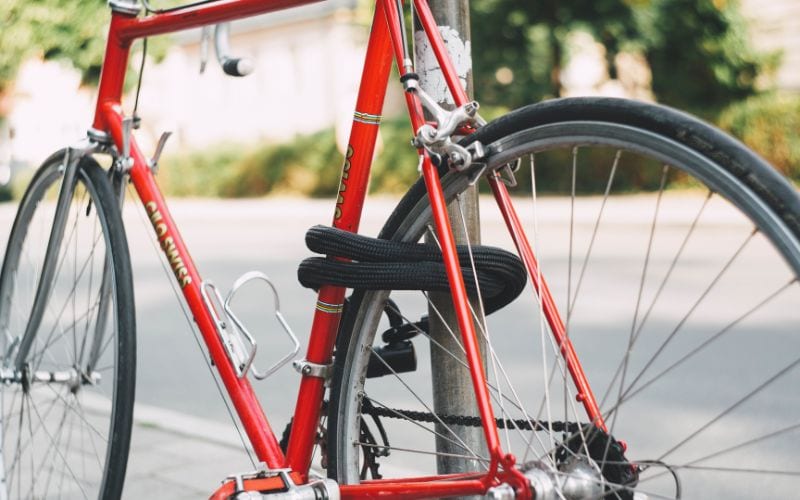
{"points": [[520, 46], [700, 54], [71, 30], [697, 49]]}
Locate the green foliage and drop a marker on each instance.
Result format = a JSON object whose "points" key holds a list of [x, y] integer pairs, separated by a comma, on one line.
{"points": [[699, 53], [6, 193], [697, 49], [73, 31], [394, 169], [52, 29], [529, 39], [311, 165], [199, 172], [770, 125], [308, 165]]}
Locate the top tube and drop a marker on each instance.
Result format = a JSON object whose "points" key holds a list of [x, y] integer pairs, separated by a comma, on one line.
{"points": [[152, 9], [195, 15]]}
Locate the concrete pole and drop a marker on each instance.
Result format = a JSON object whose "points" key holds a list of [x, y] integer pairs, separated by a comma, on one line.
{"points": [[452, 388]]}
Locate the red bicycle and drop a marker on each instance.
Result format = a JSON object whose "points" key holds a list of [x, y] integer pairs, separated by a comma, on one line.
{"points": [[668, 365]]}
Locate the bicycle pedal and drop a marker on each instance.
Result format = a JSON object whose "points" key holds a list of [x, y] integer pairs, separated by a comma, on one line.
{"points": [[240, 345], [277, 485]]}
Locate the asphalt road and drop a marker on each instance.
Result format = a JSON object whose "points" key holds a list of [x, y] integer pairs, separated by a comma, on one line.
{"points": [[229, 238]]}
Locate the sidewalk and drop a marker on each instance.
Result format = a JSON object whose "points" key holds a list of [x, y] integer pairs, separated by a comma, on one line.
{"points": [[178, 456]]}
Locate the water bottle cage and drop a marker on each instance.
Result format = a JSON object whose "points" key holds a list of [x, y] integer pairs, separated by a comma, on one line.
{"points": [[239, 343]]}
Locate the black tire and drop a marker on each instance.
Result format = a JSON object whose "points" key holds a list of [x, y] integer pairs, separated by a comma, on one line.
{"points": [[671, 146], [69, 438]]}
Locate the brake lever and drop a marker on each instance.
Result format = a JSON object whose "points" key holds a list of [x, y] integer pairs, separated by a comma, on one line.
{"points": [[204, 36]]}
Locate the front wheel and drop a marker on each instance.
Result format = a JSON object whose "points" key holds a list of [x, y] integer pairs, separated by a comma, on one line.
{"points": [[681, 298], [67, 413]]}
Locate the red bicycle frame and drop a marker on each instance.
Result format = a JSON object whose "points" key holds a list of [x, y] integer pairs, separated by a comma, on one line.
{"points": [[385, 44]]}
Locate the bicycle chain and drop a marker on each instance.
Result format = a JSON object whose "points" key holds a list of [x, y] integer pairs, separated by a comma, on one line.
{"points": [[470, 421], [600, 445]]}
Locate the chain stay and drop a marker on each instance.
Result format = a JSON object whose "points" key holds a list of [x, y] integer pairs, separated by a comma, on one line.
{"points": [[471, 421]]}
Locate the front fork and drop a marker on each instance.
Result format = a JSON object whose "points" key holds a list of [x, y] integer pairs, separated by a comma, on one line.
{"points": [[72, 158], [45, 285]]}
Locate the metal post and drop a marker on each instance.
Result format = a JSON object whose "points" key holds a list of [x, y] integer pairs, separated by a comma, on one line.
{"points": [[452, 388]]}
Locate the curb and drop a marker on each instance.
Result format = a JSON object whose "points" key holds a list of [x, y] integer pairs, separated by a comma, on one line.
{"points": [[183, 424]]}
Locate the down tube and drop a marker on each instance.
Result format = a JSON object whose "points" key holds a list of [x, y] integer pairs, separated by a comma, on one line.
{"points": [[347, 216], [239, 389]]}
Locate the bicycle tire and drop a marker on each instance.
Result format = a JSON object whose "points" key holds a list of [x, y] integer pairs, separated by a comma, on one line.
{"points": [[87, 419], [733, 177]]}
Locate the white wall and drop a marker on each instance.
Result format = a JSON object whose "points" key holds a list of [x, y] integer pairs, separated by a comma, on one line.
{"points": [[775, 25], [307, 69], [304, 80]]}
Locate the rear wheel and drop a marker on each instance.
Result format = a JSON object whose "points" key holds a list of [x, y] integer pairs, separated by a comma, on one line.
{"points": [[682, 304], [67, 414]]}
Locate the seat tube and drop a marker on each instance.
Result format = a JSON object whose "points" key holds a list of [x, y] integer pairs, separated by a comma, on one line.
{"points": [[347, 216]]}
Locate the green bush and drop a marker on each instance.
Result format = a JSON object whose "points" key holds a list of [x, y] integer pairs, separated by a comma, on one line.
{"points": [[311, 165], [394, 169], [199, 173], [770, 125], [308, 165]]}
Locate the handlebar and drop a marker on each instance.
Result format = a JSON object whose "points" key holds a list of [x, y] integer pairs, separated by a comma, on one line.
{"points": [[232, 66]]}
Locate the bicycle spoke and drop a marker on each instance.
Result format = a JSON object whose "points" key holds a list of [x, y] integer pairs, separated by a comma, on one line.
{"points": [[493, 388], [732, 407], [740, 470], [630, 392], [661, 286], [691, 310], [480, 320], [36, 431], [404, 417], [79, 415], [66, 303], [63, 458], [421, 402], [79, 355], [18, 450], [744, 444], [542, 332], [423, 452], [692, 465], [545, 330], [479, 317], [574, 299], [49, 459], [51, 341], [645, 267], [54, 443]]}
